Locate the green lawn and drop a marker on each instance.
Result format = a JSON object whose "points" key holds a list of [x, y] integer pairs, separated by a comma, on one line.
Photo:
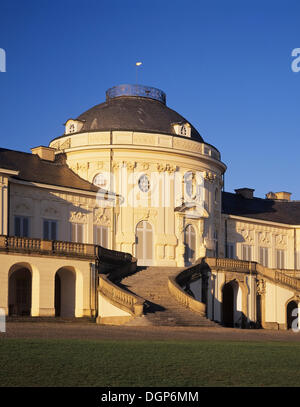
{"points": [[35, 362]]}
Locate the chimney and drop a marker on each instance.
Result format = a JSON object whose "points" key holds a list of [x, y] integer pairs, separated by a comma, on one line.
{"points": [[245, 192], [45, 153], [282, 196]]}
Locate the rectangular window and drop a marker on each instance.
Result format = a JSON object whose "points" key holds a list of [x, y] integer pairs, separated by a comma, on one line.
{"points": [[230, 252], [206, 150], [21, 226], [50, 229], [246, 252], [280, 259], [77, 231], [263, 256], [101, 236]]}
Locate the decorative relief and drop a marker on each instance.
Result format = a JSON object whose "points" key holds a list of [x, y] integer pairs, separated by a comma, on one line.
{"points": [[83, 166], [281, 240], [78, 217], [143, 166], [260, 287], [264, 238], [248, 235], [164, 167], [210, 176], [102, 216], [115, 165], [131, 165], [23, 207]]}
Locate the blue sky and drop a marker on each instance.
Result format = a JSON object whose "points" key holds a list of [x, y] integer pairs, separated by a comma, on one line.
{"points": [[224, 65]]}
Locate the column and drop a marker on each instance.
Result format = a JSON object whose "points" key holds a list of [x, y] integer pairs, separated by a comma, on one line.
{"points": [[3, 205]]}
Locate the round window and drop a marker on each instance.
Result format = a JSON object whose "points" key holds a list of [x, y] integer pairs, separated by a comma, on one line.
{"points": [[101, 181], [144, 183]]}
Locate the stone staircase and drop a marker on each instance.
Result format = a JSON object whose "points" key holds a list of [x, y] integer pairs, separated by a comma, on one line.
{"points": [[161, 308]]}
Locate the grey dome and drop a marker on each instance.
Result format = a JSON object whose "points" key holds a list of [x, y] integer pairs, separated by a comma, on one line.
{"points": [[129, 111]]}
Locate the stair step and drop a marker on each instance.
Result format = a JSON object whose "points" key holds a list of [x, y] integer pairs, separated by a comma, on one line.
{"points": [[161, 308]]}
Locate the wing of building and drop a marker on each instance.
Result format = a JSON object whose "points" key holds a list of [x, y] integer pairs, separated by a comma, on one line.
{"points": [[132, 179]]}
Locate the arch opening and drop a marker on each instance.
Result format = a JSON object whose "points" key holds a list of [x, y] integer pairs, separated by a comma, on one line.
{"points": [[20, 292], [65, 293], [292, 315], [232, 315]]}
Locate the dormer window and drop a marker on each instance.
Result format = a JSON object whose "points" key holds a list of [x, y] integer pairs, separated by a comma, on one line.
{"points": [[182, 129], [73, 126]]}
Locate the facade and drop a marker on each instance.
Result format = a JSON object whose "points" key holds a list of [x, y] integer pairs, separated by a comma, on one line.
{"points": [[134, 176]]}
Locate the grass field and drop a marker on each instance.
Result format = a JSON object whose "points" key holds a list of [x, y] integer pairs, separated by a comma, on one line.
{"points": [[35, 362]]}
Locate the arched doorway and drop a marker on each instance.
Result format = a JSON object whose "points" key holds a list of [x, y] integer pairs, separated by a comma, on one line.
{"points": [[19, 292], [144, 243], [291, 315], [64, 297], [190, 245], [231, 313]]}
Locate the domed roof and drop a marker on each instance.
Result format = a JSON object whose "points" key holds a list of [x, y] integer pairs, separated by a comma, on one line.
{"points": [[134, 108]]}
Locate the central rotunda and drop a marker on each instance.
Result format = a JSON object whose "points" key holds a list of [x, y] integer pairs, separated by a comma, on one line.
{"points": [[162, 181]]}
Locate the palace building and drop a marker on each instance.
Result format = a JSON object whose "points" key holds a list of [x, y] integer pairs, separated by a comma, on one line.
{"points": [[131, 195]]}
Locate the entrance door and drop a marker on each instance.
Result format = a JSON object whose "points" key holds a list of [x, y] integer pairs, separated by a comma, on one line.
{"points": [[144, 243], [228, 305], [190, 245]]}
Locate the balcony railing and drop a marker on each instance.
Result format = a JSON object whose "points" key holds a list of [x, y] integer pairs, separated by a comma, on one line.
{"points": [[40, 246]]}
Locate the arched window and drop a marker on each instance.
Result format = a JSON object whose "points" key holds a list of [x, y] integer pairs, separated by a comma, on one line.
{"points": [[190, 245], [144, 243], [101, 181]]}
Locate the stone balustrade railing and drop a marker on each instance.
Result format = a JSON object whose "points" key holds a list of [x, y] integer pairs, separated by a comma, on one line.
{"points": [[121, 298], [14, 242], [113, 256], [40, 246], [278, 276], [282, 278], [176, 284], [232, 264]]}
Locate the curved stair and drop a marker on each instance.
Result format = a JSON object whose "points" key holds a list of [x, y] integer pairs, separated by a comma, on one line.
{"points": [[161, 308]]}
